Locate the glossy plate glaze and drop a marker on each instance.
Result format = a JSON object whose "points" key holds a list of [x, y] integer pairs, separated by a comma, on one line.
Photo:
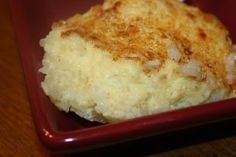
{"points": [[66, 132]]}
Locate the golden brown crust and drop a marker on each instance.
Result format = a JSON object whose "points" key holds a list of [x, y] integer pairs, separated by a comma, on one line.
{"points": [[146, 33]]}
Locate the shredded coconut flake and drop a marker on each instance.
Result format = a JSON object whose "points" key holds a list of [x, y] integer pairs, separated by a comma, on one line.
{"points": [[133, 55], [173, 53], [192, 68], [151, 64]]}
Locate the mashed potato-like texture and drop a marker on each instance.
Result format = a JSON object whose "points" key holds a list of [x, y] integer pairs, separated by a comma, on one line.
{"points": [[123, 60]]}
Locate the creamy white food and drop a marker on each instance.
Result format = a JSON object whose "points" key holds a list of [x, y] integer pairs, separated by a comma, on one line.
{"points": [[85, 77]]}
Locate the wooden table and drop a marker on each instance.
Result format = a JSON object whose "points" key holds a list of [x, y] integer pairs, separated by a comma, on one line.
{"points": [[18, 137]]}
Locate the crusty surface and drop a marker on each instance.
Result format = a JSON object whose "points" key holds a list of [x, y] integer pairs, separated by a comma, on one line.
{"points": [[143, 31]]}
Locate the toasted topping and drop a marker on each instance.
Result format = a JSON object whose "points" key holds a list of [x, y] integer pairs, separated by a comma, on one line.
{"points": [[142, 31]]}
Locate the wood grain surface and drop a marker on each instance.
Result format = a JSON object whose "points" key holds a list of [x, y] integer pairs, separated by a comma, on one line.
{"points": [[18, 137]]}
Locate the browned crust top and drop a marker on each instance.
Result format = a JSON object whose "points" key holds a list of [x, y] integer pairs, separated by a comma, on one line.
{"points": [[143, 31]]}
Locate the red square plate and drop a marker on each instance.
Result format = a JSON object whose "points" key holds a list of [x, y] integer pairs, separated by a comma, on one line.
{"points": [[66, 132]]}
